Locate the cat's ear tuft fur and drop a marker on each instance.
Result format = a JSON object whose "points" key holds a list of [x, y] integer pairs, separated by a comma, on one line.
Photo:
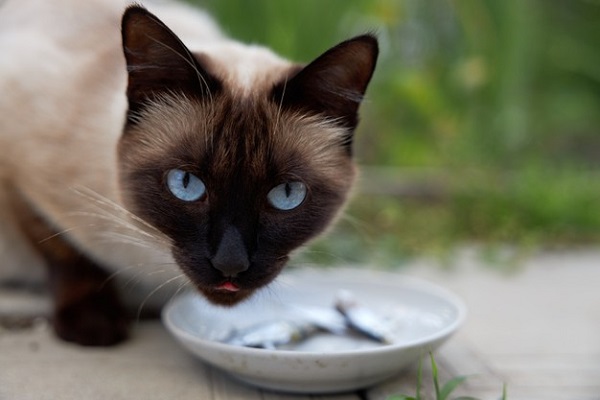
{"points": [[334, 84], [158, 62]]}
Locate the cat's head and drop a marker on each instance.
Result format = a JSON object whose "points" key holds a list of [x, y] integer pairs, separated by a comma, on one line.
{"points": [[236, 179]]}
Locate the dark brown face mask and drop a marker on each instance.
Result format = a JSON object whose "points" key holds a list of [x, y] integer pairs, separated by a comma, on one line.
{"points": [[236, 182]]}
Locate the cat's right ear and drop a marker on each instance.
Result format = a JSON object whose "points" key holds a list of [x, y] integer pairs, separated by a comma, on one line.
{"points": [[334, 84], [159, 63]]}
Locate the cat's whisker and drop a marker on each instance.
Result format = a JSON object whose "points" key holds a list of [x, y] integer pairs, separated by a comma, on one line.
{"points": [[133, 279], [280, 106], [358, 224], [143, 303], [272, 293], [57, 234], [332, 255], [105, 201], [123, 217], [149, 242], [116, 273], [112, 237], [182, 285], [122, 238], [138, 273], [141, 273], [113, 218], [157, 272], [107, 236]]}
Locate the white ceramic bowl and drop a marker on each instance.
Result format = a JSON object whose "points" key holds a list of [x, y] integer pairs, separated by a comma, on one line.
{"points": [[427, 315]]}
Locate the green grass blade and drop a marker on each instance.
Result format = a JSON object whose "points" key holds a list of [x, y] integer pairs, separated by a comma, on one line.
{"points": [[466, 398], [419, 378], [450, 386], [504, 392], [400, 397], [434, 372]]}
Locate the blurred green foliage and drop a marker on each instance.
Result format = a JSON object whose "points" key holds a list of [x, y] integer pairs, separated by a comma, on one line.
{"points": [[502, 97]]}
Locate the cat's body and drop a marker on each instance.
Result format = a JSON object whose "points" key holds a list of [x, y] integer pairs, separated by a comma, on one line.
{"points": [[83, 181]]}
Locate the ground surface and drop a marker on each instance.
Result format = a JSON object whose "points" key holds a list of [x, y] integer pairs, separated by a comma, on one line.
{"points": [[536, 329]]}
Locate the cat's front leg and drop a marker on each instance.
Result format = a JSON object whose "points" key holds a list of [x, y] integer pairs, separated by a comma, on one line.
{"points": [[87, 309]]}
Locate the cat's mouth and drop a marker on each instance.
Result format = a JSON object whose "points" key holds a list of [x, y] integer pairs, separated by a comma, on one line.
{"points": [[226, 294], [229, 291], [228, 286]]}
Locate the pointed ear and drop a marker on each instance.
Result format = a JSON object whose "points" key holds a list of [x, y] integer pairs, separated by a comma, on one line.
{"points": [[158, 62], [334, 84]]}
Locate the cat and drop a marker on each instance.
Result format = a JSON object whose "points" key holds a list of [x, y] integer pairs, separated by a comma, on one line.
{"points": [[126, 152]]}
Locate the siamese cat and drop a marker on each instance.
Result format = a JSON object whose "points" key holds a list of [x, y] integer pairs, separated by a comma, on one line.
{"points": [[142, 142]]}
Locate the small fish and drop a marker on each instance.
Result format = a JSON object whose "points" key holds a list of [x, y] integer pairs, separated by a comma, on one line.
{"points": [[326, 319], [362, 319], [273, 334], [302, 322]]}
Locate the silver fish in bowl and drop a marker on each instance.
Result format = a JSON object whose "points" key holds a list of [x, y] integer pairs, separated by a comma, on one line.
{"points": [[273, 334], [363, 319], [347, 318]]}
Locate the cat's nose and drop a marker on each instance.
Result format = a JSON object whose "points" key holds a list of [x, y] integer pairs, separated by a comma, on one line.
{"points": [[231, 257]]}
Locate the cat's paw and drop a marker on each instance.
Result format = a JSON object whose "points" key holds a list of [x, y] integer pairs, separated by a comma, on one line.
{"points": [[96, 320]]}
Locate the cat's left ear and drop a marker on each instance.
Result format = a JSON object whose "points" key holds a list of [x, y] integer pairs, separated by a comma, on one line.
{"points": [[334, 84], [158, 62]]}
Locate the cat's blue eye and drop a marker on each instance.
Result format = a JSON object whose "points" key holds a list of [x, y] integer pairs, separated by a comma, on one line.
{"points": [[185, 186], [287, 196]]}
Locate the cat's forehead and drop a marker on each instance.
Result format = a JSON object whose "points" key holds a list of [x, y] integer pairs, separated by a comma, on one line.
{"points": [[244, 69]]}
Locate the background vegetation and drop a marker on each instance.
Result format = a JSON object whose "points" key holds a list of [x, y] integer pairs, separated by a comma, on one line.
{"points": [[481, 124]]}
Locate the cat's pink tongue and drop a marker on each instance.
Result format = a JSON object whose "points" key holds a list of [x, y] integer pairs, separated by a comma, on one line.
{"points": [[229, 287]]}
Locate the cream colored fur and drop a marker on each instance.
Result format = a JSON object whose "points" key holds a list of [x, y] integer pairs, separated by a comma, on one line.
{"points": [[62, 109]]}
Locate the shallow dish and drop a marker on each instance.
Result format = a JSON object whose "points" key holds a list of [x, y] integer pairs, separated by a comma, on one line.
{"points": [[426, 316]]}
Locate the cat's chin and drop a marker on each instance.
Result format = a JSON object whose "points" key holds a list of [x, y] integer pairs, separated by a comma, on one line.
{"points": [[226, 298]]}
